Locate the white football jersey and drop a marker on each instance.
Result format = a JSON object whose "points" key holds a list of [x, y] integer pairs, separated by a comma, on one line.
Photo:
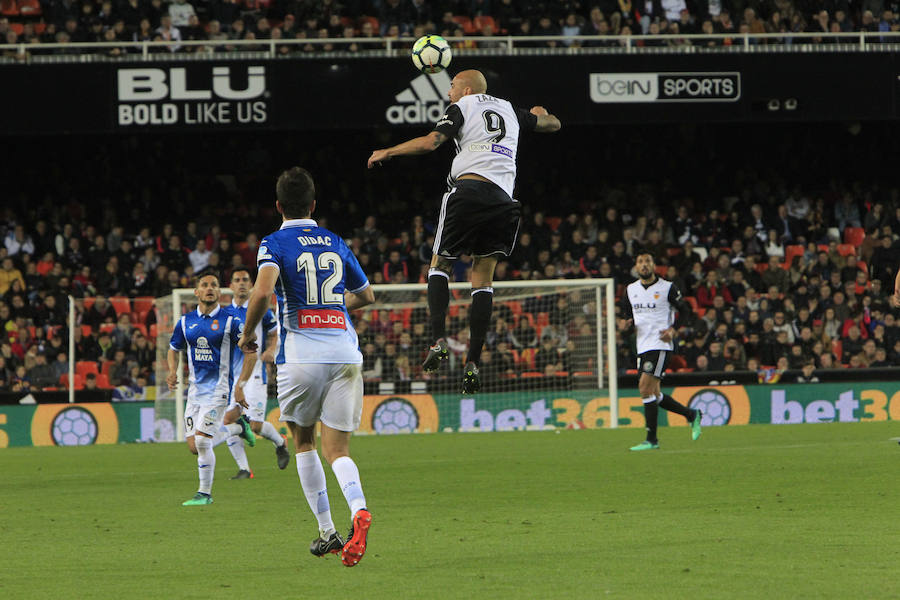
{"points": [[486, 132], [653, 311]]}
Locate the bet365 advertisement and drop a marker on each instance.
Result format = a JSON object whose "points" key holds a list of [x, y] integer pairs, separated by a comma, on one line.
{"points": [[721, 405], [111, 423]]}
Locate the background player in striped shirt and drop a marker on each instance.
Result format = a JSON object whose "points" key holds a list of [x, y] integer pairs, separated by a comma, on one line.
{"points": [[650, 304], [209, 335], [478, 214], [254, 391], [317, 281]]}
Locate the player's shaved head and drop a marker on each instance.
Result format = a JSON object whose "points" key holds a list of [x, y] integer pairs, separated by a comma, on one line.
{"points": [[472, 79]]}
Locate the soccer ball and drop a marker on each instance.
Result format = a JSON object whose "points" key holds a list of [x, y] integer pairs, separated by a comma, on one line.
{"points": [[715, 407], [431, 54], [395, 416], [74, 427]]}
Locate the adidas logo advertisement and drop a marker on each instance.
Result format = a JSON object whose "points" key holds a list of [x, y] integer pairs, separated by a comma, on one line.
{"points": [[424, 101]]}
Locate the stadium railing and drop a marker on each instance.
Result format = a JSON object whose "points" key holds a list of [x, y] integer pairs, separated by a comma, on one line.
{"points": [[806, 42]]}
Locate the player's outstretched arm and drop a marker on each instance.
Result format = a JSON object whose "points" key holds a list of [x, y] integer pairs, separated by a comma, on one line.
{"points": [[895, 298], [258, 305], [546, 123], [246, 373], [172, 363], [359, 299], [419, 145], [271, 347]]}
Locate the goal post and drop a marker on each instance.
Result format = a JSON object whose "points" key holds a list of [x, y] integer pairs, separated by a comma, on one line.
{"points": [[577, 315], [550, 350]]}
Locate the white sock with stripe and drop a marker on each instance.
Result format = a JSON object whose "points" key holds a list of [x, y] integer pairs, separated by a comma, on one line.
{"points": [[270, 433], [236, 447], [312, 480], [206, 463], [347, 474]]}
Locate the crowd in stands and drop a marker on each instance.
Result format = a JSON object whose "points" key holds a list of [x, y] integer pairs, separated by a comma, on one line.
{"points": [[222, 21], [788, 256]]}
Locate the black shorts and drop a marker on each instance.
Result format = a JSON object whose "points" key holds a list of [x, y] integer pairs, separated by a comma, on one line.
{"points": [[654, 362], [477, 218]]}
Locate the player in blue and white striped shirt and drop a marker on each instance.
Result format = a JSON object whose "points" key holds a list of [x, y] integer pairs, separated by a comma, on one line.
{"points": [[254, 390], [210, 336], [317, 281]]}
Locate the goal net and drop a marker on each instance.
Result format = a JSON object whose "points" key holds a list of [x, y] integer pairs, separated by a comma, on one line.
{"points": [[549, 360]]}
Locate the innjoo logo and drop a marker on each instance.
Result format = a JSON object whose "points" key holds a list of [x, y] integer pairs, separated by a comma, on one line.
{"points": [[424, 101], [321, 319], [608, 88]]}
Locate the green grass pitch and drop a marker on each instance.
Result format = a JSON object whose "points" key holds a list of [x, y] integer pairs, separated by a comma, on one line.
{"points": [[745, 512]]}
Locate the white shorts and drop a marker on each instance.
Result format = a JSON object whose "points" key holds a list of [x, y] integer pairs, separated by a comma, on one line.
{"points": [[205, 417], [255, 395], [331, 393]]}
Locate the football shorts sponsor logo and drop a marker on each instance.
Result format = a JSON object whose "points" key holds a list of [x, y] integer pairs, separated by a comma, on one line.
{"points": [[321, 319], [665, 87]]}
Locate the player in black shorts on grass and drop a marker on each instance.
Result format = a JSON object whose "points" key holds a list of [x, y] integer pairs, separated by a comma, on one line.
{"points": [[478, 214], [650, 303]]}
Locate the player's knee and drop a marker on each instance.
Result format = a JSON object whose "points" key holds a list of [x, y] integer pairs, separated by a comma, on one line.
{"points": [[256, 426], [332, 454], [440, 267]]}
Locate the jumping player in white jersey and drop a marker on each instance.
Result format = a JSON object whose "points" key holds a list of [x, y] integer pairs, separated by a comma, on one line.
{"points": [[478, 214], [650, 304], [254, 391], [317, 281], [209, 335]]}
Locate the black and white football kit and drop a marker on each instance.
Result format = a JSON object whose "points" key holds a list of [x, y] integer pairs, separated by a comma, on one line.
{"points": [[653, 310], [481, 217]]}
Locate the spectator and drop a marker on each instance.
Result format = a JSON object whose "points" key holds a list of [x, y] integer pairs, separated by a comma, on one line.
{"points": [[17, 241], [90, 383], [101, 311], [8, 274], [710, 288], [846, 213], [168, 33]]}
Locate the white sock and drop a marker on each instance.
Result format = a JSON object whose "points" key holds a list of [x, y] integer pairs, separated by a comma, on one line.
{"points": [[236, 447], [206, 463], [270, 433], [220, 437], [232, 429], [348, 477], [312, 480]]}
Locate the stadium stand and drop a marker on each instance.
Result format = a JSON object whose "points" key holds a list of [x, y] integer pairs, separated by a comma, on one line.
{"points": [[34, 22], [834, 240]]}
